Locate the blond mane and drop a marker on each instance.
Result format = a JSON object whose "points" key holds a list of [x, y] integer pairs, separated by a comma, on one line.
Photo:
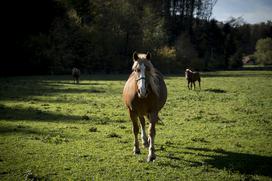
{"points": [[152, 74]]}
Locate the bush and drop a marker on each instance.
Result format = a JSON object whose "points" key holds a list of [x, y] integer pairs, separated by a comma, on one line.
{"points": [[264, 51], [165, 60]]}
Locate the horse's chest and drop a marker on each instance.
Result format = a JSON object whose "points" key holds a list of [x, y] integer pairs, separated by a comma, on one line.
{"points": [[143, 106]]}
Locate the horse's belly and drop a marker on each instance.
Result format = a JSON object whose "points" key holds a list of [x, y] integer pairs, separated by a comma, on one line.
{"points": [[143, 106], [142, 109]]}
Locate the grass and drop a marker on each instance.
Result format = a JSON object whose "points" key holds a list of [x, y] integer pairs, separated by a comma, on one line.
{"points": [[51, 129]]}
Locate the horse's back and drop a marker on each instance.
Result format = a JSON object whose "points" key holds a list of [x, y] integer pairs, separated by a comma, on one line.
{"points": [[197, 76], [192, 76]]}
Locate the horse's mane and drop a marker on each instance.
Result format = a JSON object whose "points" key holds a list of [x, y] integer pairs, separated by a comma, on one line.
{"points": [[153, 75]]}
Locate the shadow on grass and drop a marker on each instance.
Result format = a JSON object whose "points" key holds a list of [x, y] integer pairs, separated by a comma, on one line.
{"points": [[19, 129], [54, 136], [73, 90], [12, 89], [81, 83], [215, 90], [31, 114], [242, 162], [8, 113]]}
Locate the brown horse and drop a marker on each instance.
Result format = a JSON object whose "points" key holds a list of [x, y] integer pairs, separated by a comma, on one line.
{"points": [[191, 77], [76, 75], [144, 94]]}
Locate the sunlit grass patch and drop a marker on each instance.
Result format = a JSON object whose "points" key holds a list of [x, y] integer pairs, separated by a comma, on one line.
{"points": [[52, 129]]}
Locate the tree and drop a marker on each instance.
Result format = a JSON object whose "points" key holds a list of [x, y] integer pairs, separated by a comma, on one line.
{"points": [[100, 36], [27, 24], [264, 51], [187, 54], [236, 60]]}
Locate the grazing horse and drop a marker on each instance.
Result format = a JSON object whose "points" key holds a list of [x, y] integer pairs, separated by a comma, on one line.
{"points": [[76, 74], [192, 77], [144, 94]]}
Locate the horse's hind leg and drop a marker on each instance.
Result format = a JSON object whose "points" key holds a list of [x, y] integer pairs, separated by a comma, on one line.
{"points": [[143, 133], [151, 137], [135, 129], [199, 84], [194, 85]]}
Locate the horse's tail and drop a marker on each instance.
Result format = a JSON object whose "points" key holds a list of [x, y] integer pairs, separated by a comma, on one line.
{"points": [[159, 121]]}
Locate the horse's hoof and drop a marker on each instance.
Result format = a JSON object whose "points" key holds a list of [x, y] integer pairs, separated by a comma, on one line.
{"points": [[146, 144], [151, 158], [136, 151]]}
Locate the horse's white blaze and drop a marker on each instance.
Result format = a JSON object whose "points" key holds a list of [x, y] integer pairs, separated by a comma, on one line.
{"points": [[141, 82]]}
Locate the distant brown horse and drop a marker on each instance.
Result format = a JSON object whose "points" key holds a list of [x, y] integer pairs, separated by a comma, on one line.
{"points": [[76, 75], [191, 77], [144, 94]]}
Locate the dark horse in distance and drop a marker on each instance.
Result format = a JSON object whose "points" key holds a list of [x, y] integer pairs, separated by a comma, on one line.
{"points": [[191, 77], [144, 94], [76, 75]]}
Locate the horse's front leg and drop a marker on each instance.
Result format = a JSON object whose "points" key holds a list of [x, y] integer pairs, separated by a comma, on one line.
{"points": [[135, 129], [151, 137], [143, 133], [189, 85]]}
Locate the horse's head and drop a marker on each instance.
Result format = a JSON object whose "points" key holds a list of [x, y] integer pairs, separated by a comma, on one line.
{"points": [[143, 68], [188, 72]]}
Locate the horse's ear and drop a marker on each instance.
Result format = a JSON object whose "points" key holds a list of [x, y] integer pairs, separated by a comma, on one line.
{"points": [[148, 56], [135, 56]]}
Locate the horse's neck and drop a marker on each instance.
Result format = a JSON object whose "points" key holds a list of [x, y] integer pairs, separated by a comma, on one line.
{"points": [[154, 82]]}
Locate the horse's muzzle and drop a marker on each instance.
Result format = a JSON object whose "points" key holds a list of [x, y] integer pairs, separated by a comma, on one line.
{"points": [[141, 94]]}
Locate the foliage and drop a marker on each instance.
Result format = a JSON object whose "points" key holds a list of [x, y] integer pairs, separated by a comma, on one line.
{"points": [[264, 51], [236, 60], [100, 36], [154, 35], [187, 54], [165, 59], [222, 132]]}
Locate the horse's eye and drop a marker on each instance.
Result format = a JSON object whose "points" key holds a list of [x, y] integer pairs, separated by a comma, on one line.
{"points": [[147, 69], [138, 70]]}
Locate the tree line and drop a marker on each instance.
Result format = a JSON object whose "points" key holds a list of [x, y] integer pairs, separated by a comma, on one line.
{"points": [[52, 36]]}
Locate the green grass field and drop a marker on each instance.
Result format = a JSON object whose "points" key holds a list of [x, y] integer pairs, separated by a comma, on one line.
{"points": [[51, 129]]}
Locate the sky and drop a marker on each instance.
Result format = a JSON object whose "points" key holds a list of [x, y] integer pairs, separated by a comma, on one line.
{"points": [[252, 11]]}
